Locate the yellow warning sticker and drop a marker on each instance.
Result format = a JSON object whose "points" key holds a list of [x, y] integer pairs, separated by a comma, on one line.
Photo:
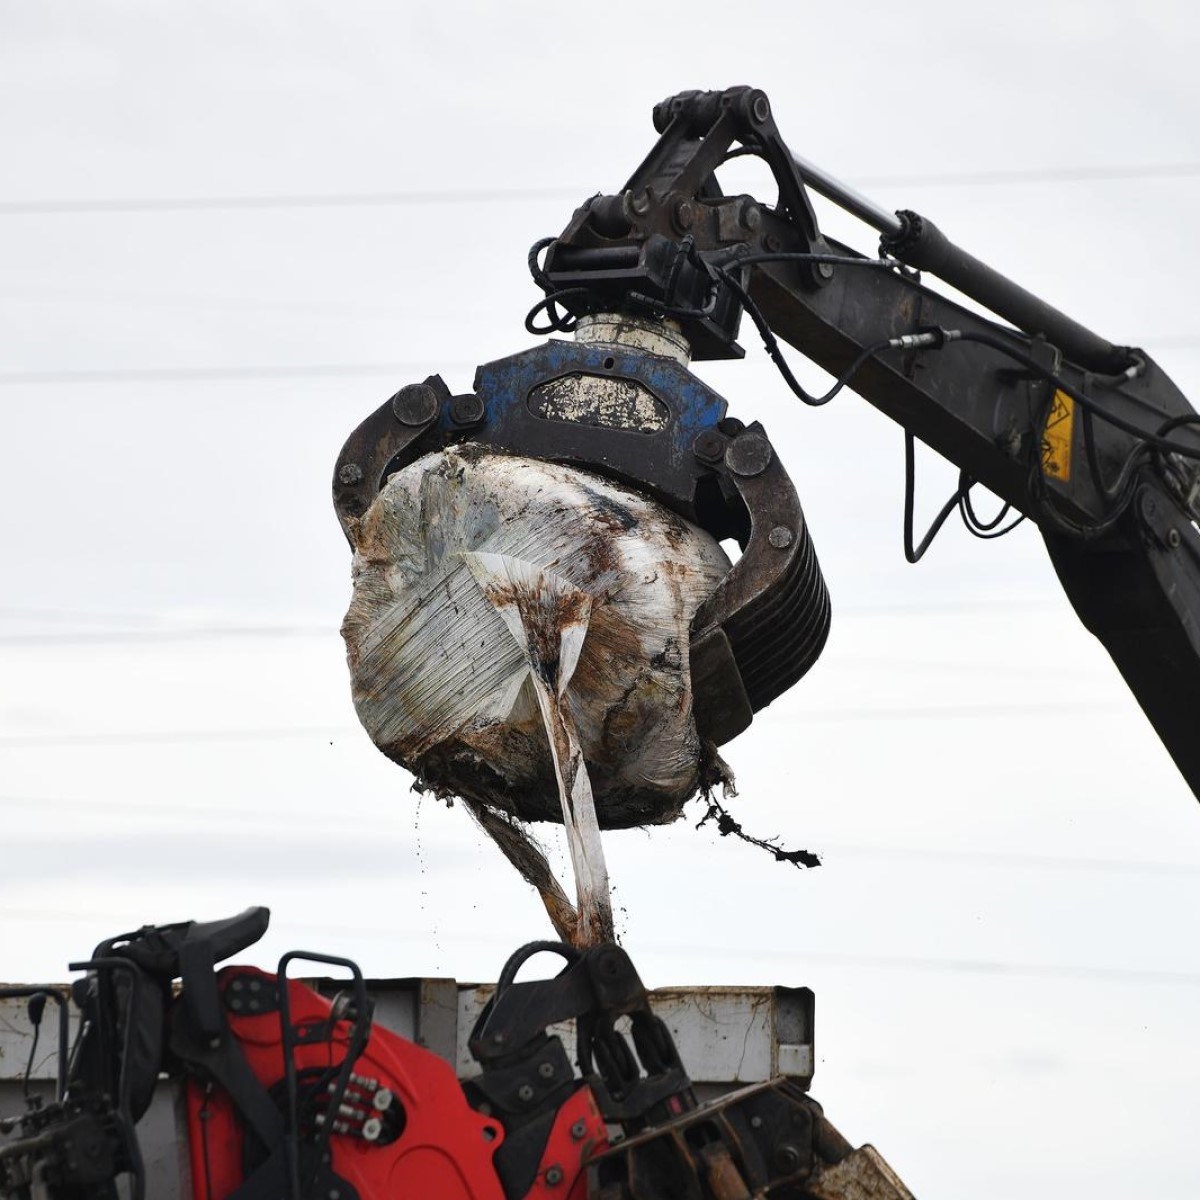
{"points": [[1056, 438]]}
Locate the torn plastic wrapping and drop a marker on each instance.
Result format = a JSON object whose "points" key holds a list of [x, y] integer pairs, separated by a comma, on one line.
{"points": [[518, 637]]}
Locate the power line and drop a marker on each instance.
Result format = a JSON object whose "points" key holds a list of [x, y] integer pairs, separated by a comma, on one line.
{"points": [[196, 634], [950, 712], [208, 374], [133, 204], [849, 715], [207, 814], [798, 957], [1036, 175], [185, 204], [170, 737], [1007, 860], [314, 370]]}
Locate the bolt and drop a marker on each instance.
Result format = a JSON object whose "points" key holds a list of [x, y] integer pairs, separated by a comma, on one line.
{"points": [[554, 1176], [639, 202], [1173, 538], [761, 109], [578, 1130], [750, 216], [787, 1159], [756, 1122], [748, 455], [709, 446], [335, 1194], [256, 984], [825, 270], [525, 1092], [236, 1003], [772, 243], [371, 1129], [683, 215], [466, 410], [383, 1099], [780, 537], [415, 404], [546, 1070]]}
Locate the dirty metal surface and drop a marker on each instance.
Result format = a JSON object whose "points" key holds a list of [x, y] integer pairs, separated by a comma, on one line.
{"points": [[607, 403], [861, 1175], [662, 337], [726, 1036]]}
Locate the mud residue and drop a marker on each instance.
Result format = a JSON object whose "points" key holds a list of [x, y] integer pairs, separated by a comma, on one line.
{"points": [[437, 678]]}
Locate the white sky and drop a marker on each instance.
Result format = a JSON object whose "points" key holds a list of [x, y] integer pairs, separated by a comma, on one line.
{"points": [[1003, 939]]}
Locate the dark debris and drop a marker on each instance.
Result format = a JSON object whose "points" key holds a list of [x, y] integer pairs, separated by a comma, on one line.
{"points": [[726, 825]]}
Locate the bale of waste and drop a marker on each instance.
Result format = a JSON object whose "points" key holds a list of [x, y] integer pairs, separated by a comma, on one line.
{"points": [[477, 574]]}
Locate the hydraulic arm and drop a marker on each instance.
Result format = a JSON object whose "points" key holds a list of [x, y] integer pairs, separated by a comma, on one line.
{"points": [[1091, 441]]}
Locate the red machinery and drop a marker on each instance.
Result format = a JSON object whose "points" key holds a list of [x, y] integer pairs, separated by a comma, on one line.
{"points": [[294, 1095]]}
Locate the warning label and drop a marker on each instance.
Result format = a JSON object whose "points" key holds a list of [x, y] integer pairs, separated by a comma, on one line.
{"points": [[1056, 438]]}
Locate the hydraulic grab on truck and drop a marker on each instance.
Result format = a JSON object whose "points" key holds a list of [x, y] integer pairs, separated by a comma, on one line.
{"points": [[293, 1095]]}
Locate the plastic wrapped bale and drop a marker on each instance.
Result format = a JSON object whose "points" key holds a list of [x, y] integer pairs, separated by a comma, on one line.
{"points": [[444, 687], [518, 637]]}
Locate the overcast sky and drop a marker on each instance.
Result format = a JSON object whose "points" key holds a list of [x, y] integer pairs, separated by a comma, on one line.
{"points": [[1003, 938]]}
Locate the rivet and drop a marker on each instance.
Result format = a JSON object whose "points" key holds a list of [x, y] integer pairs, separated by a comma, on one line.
{"points": [[578, 1130], [525, 1092], [415, 404], [709, 446], [466, 410], [787, 1158], [554, 1176], [748, 455], [780, 537]]}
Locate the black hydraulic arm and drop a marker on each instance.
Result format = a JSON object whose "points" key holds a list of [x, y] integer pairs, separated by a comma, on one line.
{"points": [[1091, 441]]}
